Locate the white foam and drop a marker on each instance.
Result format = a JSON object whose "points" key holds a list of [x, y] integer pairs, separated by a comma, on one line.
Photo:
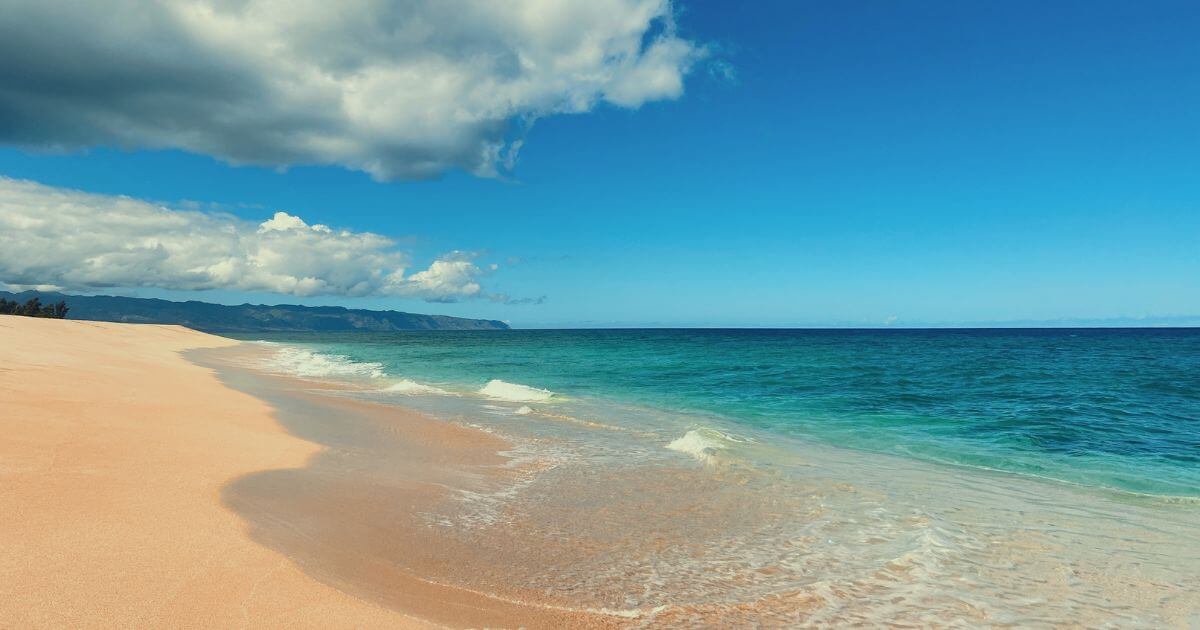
{"points": [[410, 388], [523, 410], [310, 364], [704, 444], [513, 392]]}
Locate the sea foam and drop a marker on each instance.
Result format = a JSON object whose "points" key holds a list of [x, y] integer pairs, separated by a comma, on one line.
{"points": [[310, 364], [704, 444], [513, 392], [405, 386]]}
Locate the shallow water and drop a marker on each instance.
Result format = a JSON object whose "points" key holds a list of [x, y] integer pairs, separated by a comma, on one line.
{"points": [[799, 477], [1116, 408]]}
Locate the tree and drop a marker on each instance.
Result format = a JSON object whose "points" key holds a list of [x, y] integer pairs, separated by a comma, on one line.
{"points": [[34, 308]]}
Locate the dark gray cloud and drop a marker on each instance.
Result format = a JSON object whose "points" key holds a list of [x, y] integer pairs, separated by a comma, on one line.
{"points": [[399, 89]]}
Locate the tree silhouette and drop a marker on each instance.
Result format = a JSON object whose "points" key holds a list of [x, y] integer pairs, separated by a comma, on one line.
{"points": [[34, 308]]}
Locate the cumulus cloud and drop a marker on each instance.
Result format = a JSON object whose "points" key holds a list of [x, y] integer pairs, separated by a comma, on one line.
{"points": [[396, 88], [449, 278], [66, 239]]}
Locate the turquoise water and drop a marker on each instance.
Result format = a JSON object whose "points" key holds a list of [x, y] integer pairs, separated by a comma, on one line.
{"points": [[1117, 409], [747, 478]]}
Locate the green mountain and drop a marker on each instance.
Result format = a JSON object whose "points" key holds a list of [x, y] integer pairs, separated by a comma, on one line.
{"points": [[249, 317]]}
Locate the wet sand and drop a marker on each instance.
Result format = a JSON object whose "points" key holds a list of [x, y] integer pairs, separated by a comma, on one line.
{"points": [[434, 518], [356, 515], [576, 523]]}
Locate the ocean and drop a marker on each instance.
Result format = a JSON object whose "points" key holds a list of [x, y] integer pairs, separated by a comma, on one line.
{"points": [[1033, 477]]}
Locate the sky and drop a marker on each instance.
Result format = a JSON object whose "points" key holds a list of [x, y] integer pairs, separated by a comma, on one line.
{"points": [[615, 163]]}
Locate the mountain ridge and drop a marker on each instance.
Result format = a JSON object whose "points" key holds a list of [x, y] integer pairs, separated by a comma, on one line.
{"points": [[247, 318]]}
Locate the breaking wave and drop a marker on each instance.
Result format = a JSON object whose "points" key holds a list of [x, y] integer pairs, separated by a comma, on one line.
{"points": [[309, 364], [704, 444], [513, 392], [405, 386]]}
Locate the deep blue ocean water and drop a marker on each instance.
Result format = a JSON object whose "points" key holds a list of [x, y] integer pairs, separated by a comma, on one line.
{"points": [[1114, 408]]}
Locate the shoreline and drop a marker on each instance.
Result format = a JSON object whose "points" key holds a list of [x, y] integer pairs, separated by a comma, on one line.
{"points": [[157, 476], [122, 470], [633, 523], [352, 516]]}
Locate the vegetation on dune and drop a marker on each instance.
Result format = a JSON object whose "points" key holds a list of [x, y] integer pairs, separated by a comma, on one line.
{"points": [[34, 308]]}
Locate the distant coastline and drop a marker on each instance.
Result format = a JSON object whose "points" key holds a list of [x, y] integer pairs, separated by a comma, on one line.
{"points": [[249, 318]]}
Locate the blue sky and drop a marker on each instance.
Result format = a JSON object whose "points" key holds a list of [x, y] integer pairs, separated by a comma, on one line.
{"points": [[826, 163]]}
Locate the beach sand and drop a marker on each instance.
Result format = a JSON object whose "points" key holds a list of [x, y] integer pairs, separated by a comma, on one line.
{"points": [[153, 476], [138, 490]]}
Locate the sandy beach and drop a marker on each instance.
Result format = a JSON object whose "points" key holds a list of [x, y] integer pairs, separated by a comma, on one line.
{"points": [[154, 476], [127, 474]]}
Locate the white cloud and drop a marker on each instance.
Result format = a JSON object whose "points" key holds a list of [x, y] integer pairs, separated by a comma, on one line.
{"points": [[451, 278], [55, 237], [399, 89]]}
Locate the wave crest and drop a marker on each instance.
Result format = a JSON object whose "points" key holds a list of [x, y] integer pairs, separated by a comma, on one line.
{"points": [[513, 392], [309, 364], [704, 444], [405, 386]]}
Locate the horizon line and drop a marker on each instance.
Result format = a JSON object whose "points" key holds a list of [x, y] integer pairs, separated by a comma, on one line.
{"points": [[1081, 323]]}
